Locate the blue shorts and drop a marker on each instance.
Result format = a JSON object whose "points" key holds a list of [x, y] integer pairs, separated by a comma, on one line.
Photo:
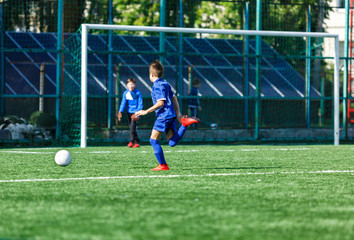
{"points": [[163, 125]]}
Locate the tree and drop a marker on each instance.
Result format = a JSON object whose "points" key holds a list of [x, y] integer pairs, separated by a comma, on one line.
{"points": [[74, 14], [147, 13], [134, 12], [220, 15]]}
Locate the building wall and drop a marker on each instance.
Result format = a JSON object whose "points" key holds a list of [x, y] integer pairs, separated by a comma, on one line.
{"points": [[335, 24]]}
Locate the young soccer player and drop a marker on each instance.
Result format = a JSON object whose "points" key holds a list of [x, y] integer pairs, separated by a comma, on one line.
{"points": [[167, 111], [131, 97]]}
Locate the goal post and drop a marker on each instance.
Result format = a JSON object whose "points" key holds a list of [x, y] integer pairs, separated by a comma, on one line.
{"points": [[83, 141], [84, 60]]}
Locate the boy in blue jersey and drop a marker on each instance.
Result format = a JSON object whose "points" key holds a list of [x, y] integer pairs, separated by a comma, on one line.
{"points": [[131, 97], [193, 103], [167, 111]]}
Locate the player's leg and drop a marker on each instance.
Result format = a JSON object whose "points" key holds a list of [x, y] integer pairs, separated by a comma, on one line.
{"points": [[134, 134], [154, 141], [174, 136], [194, 111], [187, 121], [131, 141]]}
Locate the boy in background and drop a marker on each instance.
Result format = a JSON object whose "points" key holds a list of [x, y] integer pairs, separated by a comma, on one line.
{"points": [[193, 103], [131, 97], [167, 114]]}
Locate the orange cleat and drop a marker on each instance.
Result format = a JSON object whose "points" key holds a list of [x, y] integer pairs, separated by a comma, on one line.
{"points": [[136, 145], [130, 144], [161, 167], [186, 121]]}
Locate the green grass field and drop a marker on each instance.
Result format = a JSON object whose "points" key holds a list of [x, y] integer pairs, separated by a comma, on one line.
{"points": [[211, 192]]}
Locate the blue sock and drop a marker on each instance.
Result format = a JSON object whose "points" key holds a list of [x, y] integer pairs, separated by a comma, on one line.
{"points": [[177, 136], [158, 151]]}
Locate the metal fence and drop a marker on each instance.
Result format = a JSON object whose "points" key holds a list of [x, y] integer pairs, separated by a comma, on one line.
{"points": [[32, 45]]}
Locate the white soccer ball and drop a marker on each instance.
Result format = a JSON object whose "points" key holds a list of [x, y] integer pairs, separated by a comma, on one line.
{"points": [[63, 158]]}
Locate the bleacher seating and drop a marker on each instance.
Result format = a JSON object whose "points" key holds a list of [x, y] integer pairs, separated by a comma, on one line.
{"points": [[221, 75]]}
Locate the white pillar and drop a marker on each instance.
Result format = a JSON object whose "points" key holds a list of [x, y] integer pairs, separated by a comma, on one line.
{"points": [[83, 85]]}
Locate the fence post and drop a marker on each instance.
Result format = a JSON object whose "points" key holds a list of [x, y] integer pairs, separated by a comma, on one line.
{"points": [[180, 58], [117, 80], [162, 24], [2, 59], [60, 65], [246, 63], [322, 101], [110, 80], [41, 87], [190, 80], [308, 71], [346, 72], [258, 70]]}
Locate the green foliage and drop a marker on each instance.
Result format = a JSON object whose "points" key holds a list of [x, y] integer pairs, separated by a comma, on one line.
{"points": [[133, 12], [261, 192], [276, 14], [41, 119], [74, 12], [30, 15], [147, 13], [220, 15]]}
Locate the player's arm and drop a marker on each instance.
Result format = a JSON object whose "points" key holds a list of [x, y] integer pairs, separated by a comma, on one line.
{"points": [[157, 105], [176, 107], [140, 101], [122, 107]]}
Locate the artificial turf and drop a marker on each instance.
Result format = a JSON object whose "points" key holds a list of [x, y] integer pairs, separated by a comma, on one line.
{"points": [[211, 192]]}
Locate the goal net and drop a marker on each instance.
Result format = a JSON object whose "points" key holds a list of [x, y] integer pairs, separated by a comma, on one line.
{"points": [[255, 85]]}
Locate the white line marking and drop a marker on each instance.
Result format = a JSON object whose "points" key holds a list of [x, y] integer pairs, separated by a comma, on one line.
{"points": [[333, 171], [26, 152], [169, 151], [179, 151], [290, 149], [173, 176], [101, 152]]}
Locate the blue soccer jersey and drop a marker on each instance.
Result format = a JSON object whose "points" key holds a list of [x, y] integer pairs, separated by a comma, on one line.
{"points": [[133, 99], [162, 91], [194, 102]]}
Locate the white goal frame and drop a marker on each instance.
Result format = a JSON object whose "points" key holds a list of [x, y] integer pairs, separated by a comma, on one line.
{"points": [[86, 27]]}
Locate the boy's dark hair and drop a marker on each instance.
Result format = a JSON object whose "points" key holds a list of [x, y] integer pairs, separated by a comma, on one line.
{"points": [[156, 68], [131, 80], [196, 81]]}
